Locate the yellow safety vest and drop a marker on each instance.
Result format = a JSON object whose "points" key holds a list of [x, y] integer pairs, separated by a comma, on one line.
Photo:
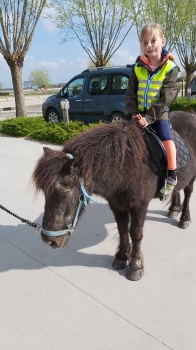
{"points": [[149, 86]]}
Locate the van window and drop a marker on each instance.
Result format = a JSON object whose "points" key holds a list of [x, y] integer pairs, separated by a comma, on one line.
{"points": [[75, 86], [98, 84], [119, 83]]}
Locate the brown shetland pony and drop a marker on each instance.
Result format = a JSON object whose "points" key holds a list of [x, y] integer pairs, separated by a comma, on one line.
{"points": [[111, 160]]}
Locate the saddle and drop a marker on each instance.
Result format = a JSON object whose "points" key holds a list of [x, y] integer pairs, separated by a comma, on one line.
{"points": [[157, 157]]}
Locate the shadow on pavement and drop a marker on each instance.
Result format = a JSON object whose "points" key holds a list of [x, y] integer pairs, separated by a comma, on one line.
{"points": [[83, 248], [93, 243], [165, 219]]}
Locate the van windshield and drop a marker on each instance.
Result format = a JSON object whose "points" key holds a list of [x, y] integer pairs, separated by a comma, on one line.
{"points": [[75, 87]]}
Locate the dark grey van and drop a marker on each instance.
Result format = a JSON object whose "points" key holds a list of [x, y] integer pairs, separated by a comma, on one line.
{"points": [[93, 95], [193, 88]]}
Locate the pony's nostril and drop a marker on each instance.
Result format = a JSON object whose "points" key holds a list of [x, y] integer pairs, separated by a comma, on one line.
{"points": [[53, 244]]}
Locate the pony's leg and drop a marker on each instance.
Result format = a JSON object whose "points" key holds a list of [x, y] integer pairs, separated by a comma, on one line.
{"points": [[175, 207], [135, 267], [185, 217], [124, 248]]}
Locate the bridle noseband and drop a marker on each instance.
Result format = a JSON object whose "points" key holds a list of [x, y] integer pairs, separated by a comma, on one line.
{"points": [[83, 201]]}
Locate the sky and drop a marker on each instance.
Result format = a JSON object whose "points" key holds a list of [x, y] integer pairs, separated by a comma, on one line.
{"points": [[63, 60]]}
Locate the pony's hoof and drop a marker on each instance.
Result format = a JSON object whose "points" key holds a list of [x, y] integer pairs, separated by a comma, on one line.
{"points": [[183, 224], [172, 214], [135, 270], [119, 264], [134, 275]]}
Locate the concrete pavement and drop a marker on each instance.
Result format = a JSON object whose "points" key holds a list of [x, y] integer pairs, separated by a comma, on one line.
{"points": [[72, 299]]}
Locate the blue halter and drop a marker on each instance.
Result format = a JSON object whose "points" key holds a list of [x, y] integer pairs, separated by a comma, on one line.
{"points": [[83, 201]]}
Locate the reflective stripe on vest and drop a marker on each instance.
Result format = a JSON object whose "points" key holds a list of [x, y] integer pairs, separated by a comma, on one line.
{"points": [[149, 86]]}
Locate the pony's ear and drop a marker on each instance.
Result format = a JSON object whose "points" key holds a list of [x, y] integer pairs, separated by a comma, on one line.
{"points": [[47, 150], [68, 166]]}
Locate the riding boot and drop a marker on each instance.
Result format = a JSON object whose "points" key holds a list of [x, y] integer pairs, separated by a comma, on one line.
{"points": [[167, 190]]}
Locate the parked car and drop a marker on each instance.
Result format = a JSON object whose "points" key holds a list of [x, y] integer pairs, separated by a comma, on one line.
{"points": [[193, 88], [94, 95]]}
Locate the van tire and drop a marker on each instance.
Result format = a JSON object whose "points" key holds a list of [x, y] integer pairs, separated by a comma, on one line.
{"points": [[52, 115], [116, 117]]}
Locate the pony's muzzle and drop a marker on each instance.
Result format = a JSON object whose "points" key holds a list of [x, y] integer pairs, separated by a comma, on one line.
{"points": [[56, 242]]}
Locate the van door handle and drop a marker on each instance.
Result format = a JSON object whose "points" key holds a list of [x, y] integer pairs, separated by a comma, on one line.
{"points": [[78, 100], [87, 100]]}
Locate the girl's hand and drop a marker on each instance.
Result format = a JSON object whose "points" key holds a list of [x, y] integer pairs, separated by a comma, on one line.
{"points": [[142, 123], [137, 117]]}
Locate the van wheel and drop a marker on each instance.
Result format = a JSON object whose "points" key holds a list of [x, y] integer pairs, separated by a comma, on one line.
{"points": [[117, 117], [52, 116], [193, 95]]}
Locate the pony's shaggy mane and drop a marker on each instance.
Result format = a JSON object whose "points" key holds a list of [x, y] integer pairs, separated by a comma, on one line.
{"points": [[114, 145], [98, 150]]}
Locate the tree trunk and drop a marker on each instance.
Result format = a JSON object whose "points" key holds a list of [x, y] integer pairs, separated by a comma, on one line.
{"points": [[16, 72], [100, 61], [189, 77]]}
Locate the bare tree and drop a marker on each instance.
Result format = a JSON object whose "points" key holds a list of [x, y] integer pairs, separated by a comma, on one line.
{"points": [[100, 25], [18, 20], [186, 50]]}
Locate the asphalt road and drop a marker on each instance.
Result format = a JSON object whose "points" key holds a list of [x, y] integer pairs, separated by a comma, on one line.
{"points": [[31, 112]]}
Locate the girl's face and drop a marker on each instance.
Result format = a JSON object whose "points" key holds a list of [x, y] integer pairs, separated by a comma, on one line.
{"points": [[152, 45]]}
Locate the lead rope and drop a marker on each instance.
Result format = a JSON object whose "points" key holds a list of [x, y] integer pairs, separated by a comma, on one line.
{"points": [[36, 226]]}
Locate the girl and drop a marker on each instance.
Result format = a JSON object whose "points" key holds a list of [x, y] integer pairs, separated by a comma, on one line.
{"points": [[152, 88]]}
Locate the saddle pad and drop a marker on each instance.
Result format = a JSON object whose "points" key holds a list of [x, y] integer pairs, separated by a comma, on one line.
{"points": [[183, 155], [157, 159]]}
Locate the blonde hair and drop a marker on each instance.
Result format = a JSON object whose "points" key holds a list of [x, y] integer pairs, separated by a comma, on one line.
{"points": [[155, 29]]}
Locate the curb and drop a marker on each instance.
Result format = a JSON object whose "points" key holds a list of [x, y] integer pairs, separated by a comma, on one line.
{"points": [[13, 108]]}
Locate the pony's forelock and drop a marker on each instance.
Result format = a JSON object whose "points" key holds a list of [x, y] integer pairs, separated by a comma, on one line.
{"points": [[48, 170]]}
